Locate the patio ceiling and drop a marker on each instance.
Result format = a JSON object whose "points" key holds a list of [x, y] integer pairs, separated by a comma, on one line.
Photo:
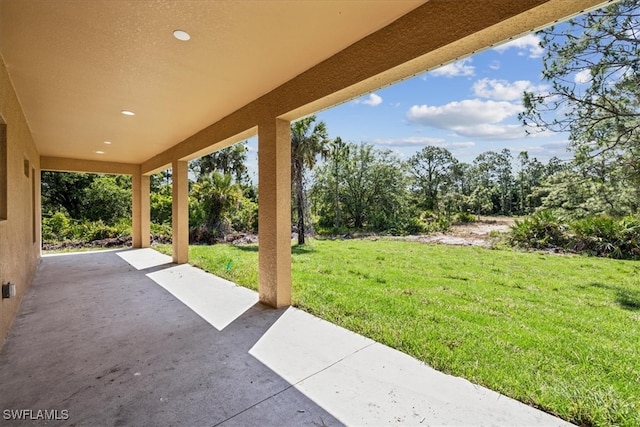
{"points": [[76, 65]]}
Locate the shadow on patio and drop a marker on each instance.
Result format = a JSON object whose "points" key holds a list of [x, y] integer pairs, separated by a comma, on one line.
{"points": [[127, 338]]}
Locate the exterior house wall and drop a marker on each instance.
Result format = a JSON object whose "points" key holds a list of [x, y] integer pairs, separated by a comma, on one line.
{"points": [[20, 231]]}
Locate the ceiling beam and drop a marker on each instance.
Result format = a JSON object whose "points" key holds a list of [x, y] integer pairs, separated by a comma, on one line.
{"points": [[60, 164]]}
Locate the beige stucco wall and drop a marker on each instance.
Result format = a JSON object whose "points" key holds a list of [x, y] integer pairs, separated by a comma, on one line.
{"points": [[19, 253]]}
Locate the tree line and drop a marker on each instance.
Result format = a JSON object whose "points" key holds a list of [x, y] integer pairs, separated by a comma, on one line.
{"points": [[339, 186]]}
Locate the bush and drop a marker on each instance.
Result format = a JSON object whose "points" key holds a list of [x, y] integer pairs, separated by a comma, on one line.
{"points": [[599, 235], [245, 216], [161, 206], [464, 218], [542, 230], [98, 230], [162, 231], [58, 227], [204, 235], [413, 226], [605, 236], [431, 222], [58, 223]]}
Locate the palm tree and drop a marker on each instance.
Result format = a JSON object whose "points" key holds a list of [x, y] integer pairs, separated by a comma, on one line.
{"points": [[308, 141], [217, 195], [228, 161]]}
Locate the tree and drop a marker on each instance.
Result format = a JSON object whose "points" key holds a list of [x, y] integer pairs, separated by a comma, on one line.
{"points": [[108, 199], [494, 172], [480, 200], [390, 207], [593, 67], [216, 195], [308, 141], [160, 180], [588, 188], [372, 189], [359, 188], [339, 153], [431, 169], [228, 161], [530, 175], [65, 191]]}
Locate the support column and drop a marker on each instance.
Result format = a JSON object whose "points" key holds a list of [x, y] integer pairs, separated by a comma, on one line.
{"points": [[274, 212], [180, 212], [140, 211]]}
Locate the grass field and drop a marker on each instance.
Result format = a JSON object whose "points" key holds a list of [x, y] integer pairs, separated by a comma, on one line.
{"points": [[561, 333]]}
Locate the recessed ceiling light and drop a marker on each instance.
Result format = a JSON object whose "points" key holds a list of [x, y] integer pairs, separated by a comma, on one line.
{"points": [[181, 35], [107, 142], [99, 152], [128, 113]]}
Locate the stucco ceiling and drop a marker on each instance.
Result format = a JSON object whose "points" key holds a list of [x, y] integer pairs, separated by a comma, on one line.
{"points": [[76, 64]]}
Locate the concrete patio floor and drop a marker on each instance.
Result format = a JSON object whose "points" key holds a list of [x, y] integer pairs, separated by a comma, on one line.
{"points": [[126, 338]]}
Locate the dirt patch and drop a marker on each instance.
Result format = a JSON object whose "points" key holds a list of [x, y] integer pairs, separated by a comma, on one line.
{"points": [[479, 233]]}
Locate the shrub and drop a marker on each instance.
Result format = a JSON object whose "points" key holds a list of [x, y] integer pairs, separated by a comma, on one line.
{"points": [[542, 230], [598, 235], [97, 230], [245, 216], [58, 223], [413, 225], [162, 231], [609, 237], [464, 217], [161, 205], [57, 227], [434, 223]]}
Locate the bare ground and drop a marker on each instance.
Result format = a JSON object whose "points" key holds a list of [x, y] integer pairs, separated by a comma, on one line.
{"points": [[479, 233]]}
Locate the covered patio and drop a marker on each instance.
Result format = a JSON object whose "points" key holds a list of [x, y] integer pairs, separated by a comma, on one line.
{"points": [[127, 337], [136, 87]]}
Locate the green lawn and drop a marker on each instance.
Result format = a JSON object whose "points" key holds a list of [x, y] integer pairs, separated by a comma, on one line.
{"points": [[557, 332]]}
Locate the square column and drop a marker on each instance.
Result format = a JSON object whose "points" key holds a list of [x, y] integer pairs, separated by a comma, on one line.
{"points": [[140, 211], [180, 212], [274, 212]]}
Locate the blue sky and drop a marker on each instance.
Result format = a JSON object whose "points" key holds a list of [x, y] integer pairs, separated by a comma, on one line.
{"points": [[469, 107]]}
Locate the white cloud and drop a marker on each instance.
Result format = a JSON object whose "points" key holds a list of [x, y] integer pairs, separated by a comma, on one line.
{"points": [[529, 43], [472, 118], [462, 113], [372, 100], [503, 90], [495, 65], [455, 69], [492, 131], [582, 77]]}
